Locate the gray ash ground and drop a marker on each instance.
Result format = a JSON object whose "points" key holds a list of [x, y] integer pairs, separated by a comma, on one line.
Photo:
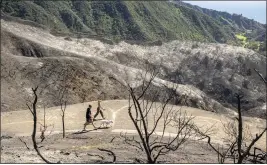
{"points": [[83, 148]]}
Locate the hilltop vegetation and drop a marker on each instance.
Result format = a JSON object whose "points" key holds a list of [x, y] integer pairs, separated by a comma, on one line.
{"points": [[234, 21], [251, 33], [138, 22], [250, 44]]}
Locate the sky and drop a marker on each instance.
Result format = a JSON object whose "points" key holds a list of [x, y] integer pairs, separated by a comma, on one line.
{"points": [[251, 9]]}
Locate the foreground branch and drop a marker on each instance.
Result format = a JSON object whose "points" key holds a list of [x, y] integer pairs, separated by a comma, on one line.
{"points": [[24, 143], [110, 153], [34, 90]]}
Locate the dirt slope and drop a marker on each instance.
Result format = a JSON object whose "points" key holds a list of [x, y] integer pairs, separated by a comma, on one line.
{"points": [[209, 74]]}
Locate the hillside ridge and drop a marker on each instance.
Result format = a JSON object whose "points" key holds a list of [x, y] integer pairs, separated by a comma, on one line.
{"points": [[133, 21]]}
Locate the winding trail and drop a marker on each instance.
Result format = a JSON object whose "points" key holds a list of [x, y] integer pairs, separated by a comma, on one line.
{"points": [[19, 123], [114, 114]]}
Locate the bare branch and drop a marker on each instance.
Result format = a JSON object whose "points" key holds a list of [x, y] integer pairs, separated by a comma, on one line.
{"points": [[236, 136], [110, 153], [101, 157], [263, 79], [112, 139], [144, 108], [24, 143], [29, 108]]}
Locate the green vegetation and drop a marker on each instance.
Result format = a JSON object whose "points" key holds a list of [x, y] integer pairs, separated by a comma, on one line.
{"points": [[120, 20], [242, 38], [249, 33], [254, 45], [140, 21]]}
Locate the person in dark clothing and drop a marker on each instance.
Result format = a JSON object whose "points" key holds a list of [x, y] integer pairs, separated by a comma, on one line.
{"points": [[88, 112], [99, 110], [88, 117]]}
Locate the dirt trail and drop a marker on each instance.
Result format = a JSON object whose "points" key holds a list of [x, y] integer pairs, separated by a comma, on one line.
{"points": [[19, 123]]}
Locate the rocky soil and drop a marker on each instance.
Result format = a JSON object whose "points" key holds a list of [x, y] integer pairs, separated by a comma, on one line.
{"points": [[83, 148]]}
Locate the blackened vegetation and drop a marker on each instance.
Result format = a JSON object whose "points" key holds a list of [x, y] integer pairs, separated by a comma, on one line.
{"points": [[141, 110], [220, 80], [238, 144], [34, 114], [31, 52]]}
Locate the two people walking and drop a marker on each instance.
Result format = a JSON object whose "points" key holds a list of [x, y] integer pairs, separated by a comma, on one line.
{"points": [[89, 118]]}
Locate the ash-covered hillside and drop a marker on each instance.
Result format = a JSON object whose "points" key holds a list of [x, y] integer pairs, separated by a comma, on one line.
{"points": [[209, 74]]}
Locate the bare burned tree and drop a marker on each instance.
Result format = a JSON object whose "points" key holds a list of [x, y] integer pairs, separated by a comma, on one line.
{"points": [[243, 150], [237, 147], [63, 105], [63, 109], [34, 114], [63, 78], [68, 77], [149, 116], [44, 127]]}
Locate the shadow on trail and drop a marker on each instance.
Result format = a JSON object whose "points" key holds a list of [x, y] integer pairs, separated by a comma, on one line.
{"points": [[86, 131], [78, 138], [103, 128]]}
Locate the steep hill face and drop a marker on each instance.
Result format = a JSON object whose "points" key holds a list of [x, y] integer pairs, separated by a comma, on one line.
{"points": [[209, 74], [138, 21], [234, 21], [254, 31]]}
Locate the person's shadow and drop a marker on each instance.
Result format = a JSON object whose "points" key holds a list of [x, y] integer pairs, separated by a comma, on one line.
{"points": [[86, 131]]}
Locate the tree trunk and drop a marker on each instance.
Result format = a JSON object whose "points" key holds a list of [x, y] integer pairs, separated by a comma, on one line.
{"points": [[34, 135], [240, 131], [34, 113], [63, 125], [149, 160], [34, 128]]}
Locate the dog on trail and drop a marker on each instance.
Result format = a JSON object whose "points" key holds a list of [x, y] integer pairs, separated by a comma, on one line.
{"points": [[106, 123]]}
